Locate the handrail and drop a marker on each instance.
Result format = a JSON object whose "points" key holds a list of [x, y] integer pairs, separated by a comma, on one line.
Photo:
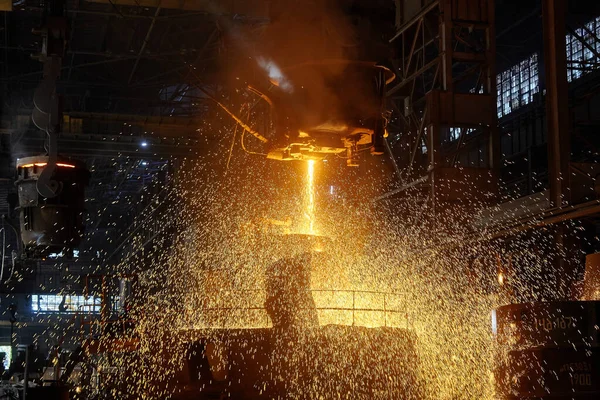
{"points": [[385, 309]]}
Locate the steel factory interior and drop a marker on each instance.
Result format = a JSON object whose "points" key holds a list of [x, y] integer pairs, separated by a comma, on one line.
{"points": [[285, 199]]}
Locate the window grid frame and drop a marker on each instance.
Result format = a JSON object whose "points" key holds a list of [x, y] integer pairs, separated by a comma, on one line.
{"points": [[50, 304], [517, 86], [584, 60]]}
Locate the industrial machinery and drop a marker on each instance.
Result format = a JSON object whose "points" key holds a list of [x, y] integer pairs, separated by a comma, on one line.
{"points": [[329, 107], [51, 224], [295, 355], [50, 188], [322, 108], [548, 350]]}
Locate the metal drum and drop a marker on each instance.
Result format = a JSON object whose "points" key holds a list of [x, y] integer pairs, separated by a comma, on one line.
{"points": [[51, 224], [562, 371], [551, 324], [549, 350]]}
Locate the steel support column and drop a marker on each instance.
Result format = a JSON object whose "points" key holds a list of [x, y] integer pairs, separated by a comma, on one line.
{"points": [[559, 279], [144, 44], [446, 58], [555, 62]]}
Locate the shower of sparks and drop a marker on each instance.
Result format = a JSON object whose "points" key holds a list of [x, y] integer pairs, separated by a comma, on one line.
{"points": [[409, 305]]}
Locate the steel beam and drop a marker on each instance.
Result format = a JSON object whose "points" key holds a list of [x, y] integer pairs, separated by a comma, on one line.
{"points": [[416, 182], [144, 44], [467, 22], [413, 76], [583, 42], [98, 146], [557, 114], [416, 18], [241, 8]]}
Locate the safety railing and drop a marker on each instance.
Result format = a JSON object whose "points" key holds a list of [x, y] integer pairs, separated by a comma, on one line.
{"points": [[103, 318], [245, 309], [91, 325]]}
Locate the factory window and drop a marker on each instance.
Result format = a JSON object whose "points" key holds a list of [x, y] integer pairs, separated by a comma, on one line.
{"points": [[455, 132], [61, 254], [583, 48], [51, 303], [517, 85], [6, 350]]}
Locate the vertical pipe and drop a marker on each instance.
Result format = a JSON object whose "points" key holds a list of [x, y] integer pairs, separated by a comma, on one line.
{"points": [[434, 163], [495, 153], [446, 49], [57, 367], [144, 44], [12, 341], [105, 307], [26, 374], [393, 160], [6, 44]]}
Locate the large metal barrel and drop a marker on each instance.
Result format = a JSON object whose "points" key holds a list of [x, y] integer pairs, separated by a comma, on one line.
{"points": [[55, 224], [289, 301], [330, 362], [48, 392], [558, 371], [550, 324], [548, 350]]}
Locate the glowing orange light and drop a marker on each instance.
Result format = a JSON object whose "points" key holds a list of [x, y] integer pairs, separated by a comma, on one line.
{"points": [[44, 164], [310, 197]]}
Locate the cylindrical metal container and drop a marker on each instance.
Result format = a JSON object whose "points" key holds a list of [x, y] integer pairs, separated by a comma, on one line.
{"points": [[289, 301], [556, 372], [548, 349], [48, 392], [51, 225], [549, 324]]}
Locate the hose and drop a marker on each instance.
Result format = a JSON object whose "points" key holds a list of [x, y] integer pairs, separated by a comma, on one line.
{"points": [[242, 139], [3, 251]]}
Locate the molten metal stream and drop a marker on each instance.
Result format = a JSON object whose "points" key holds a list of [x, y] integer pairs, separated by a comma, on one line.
{"points": [[309, 198]]}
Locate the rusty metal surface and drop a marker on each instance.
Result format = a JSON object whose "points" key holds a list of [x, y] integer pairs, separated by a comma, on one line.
{"points": [[555, 60]]}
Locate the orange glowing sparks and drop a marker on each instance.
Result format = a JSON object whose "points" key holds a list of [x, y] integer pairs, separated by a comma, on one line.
{"points": [[371, 274]]}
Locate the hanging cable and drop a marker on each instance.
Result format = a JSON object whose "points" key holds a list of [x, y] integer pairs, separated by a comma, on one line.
{"points": [[12, 258], [7, 222], [231, 148], [246, 150], [12, 269], [242, 139], [3, 251]]}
